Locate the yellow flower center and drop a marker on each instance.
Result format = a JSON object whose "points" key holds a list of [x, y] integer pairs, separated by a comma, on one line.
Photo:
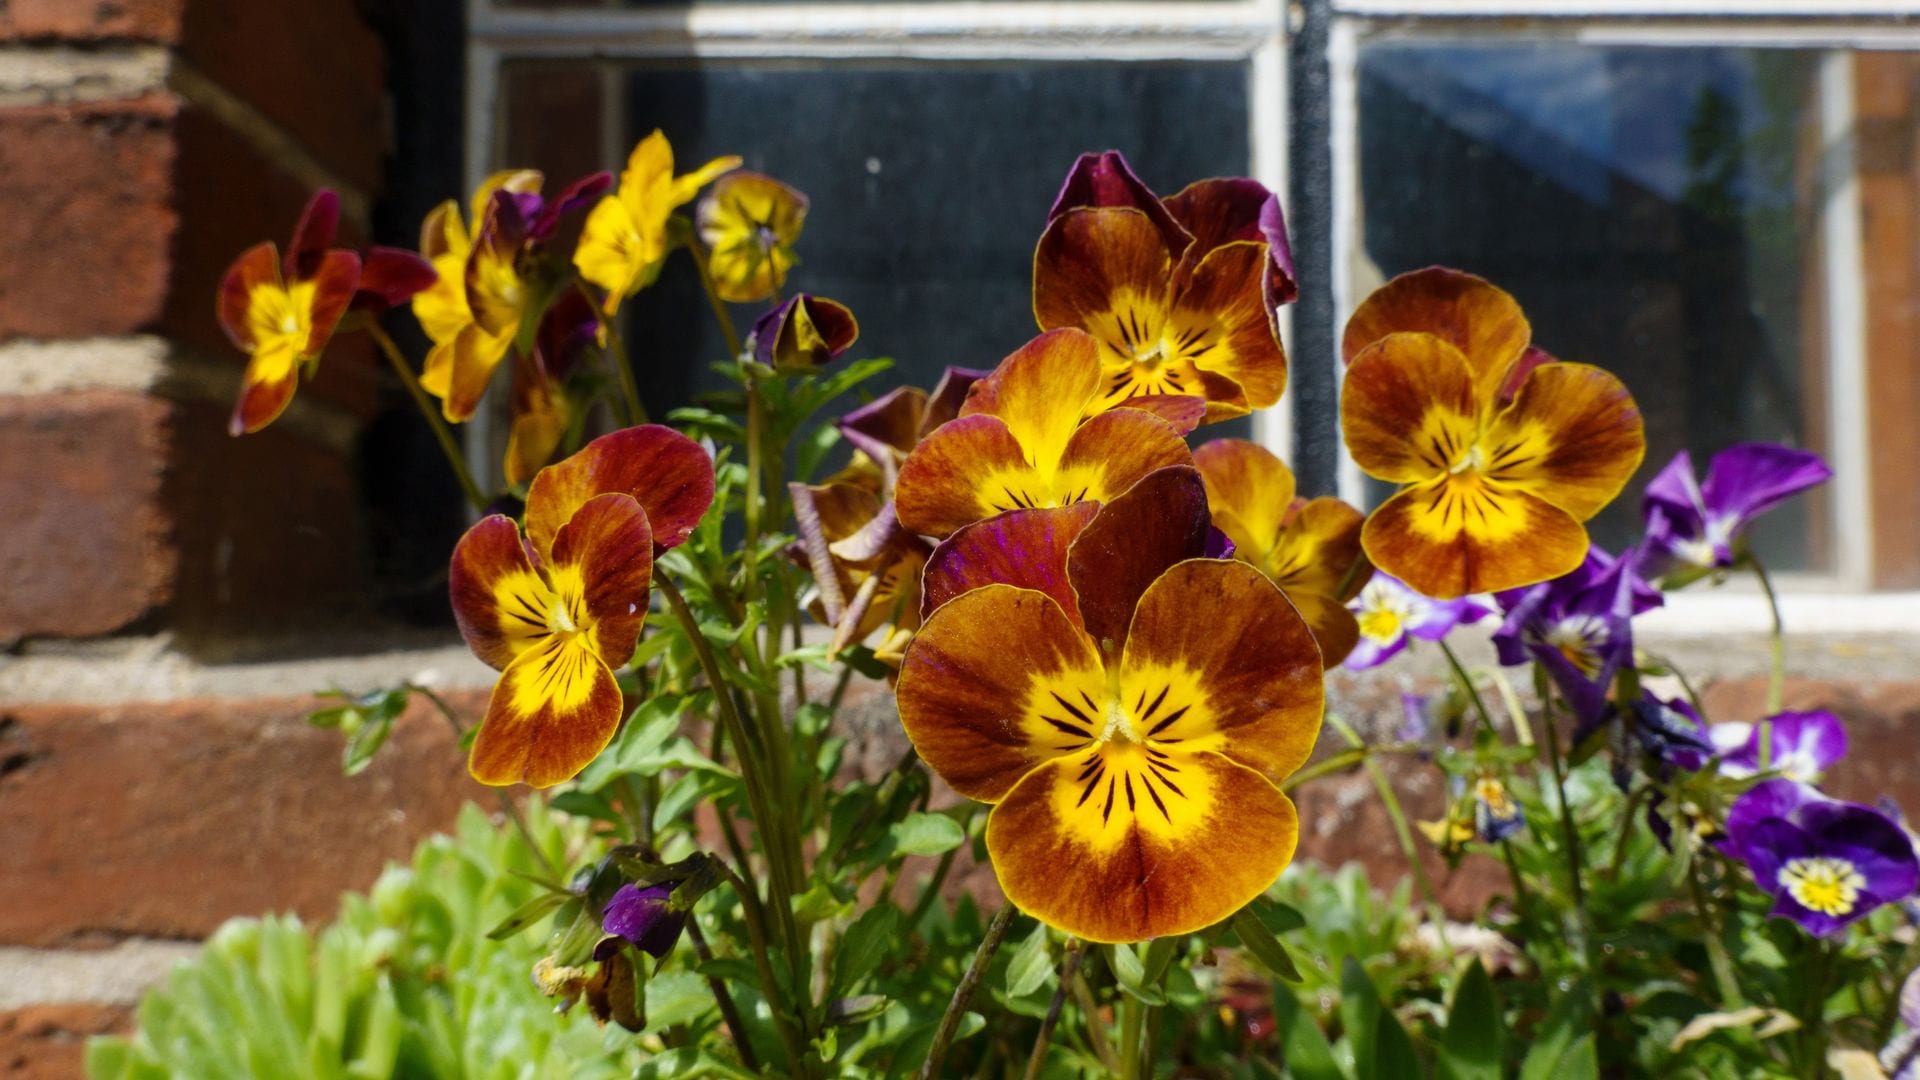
{"points": [[281, 318], [1383, 612], [1825, 884], [1145, 349]]}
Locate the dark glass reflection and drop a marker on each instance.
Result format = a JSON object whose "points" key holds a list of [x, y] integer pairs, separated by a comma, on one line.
{"points": [[929, 183], [1653, 209]]}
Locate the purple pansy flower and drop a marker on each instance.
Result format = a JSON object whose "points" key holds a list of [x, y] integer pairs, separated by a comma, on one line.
{"points": [[1388, 611], [644, 917], [1825, 862], [1696, 524], [1579, 628], [1804, 745]]}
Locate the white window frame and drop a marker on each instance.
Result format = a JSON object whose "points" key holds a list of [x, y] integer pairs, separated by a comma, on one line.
{"points": [[1834, 600], [1247, 31]]}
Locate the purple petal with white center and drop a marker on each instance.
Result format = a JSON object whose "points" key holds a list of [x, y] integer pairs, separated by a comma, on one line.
{"points": [[1371, 652], [1804, 745], [1830, 863], [1767, 799]]}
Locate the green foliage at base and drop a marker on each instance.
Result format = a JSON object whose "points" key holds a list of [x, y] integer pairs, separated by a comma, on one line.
{"points": [[403, 983]]}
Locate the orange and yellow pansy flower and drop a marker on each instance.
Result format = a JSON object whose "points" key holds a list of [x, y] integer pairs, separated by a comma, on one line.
{"points": [[1019, 442], [749, 223], [1308, 547], [464, 351], [1179, 292], [1128, 708], [1502, 452], [558, 607], [626, 241], [281, 312]]}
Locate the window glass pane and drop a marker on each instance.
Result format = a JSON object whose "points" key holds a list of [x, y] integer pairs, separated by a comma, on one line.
{"points": [[930, 184], [1655, 210]]}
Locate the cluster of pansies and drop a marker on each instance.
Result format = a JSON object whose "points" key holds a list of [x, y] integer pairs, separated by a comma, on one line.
{"points": [[1108, 627]]}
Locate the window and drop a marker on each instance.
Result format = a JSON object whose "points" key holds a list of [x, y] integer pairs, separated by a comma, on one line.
{"points": [[1719, 199], [930, 137], [1702, 197]]}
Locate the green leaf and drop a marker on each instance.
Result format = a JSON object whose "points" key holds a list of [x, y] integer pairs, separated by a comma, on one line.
{"points": [[365, 743], [927, 834], [1028, 968], [527, 914], [1563, 1047], [1278, 917], [1132, 974], [1306, 1053], [1159, 954], [865, 944], [1382, 1049], [1471, 1047], [1263, 945]]}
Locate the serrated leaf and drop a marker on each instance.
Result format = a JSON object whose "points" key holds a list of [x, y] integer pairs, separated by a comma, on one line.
{"points": [[1470, 1049], [927, 834], [1263, 945], [1028, 967]]}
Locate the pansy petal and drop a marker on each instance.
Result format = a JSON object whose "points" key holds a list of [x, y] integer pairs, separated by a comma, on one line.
{"points": [[1407, 408], [442, 306], [1184, 411], [667, 473], [1249, 490], [1674, 491], [889, 423], [540, 419], [1040, 392], [500, 601], [1223, 311], [1573, 437], [1111, 452], [1085, 861], [997, 681], [948, 395], [967, 471], [266, 388], [472, 360], [841, 510], [552, 712], [392, 276], [576, 195], [1218, 659], [1136, 536], [1023, 548], [1476, 317], [335, 279], [1750, 478], [1456, 535], [312, 235], [1318, 550], [1334, 628], [1105, 179], [1221, 211], [1093, 267], [604, 556], [257, 267]]}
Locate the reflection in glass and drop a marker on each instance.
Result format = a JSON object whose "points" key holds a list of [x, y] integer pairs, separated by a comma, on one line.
{"points": [[1655, 210]]}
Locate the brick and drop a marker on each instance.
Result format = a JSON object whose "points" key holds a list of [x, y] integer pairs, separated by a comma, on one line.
{"points": [[268, 538], [49, 1042], [88, 190], [164, 819], [314, 68], [84, 548], [90, 20]]}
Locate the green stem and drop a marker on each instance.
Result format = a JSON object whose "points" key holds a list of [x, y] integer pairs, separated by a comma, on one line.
{"points": [[1090, 1013], [1131, 1015], [755, 916], [1401, 830], [1569, 830], [617, 350], [963, 993], [1717, 956], [729, 1012], [1466, 684], [1776, 661], [455, 459], [1069, 967], [720, 313]]}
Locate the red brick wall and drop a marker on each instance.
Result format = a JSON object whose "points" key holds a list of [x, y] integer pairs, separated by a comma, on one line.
{"points": [[147, 790]]}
